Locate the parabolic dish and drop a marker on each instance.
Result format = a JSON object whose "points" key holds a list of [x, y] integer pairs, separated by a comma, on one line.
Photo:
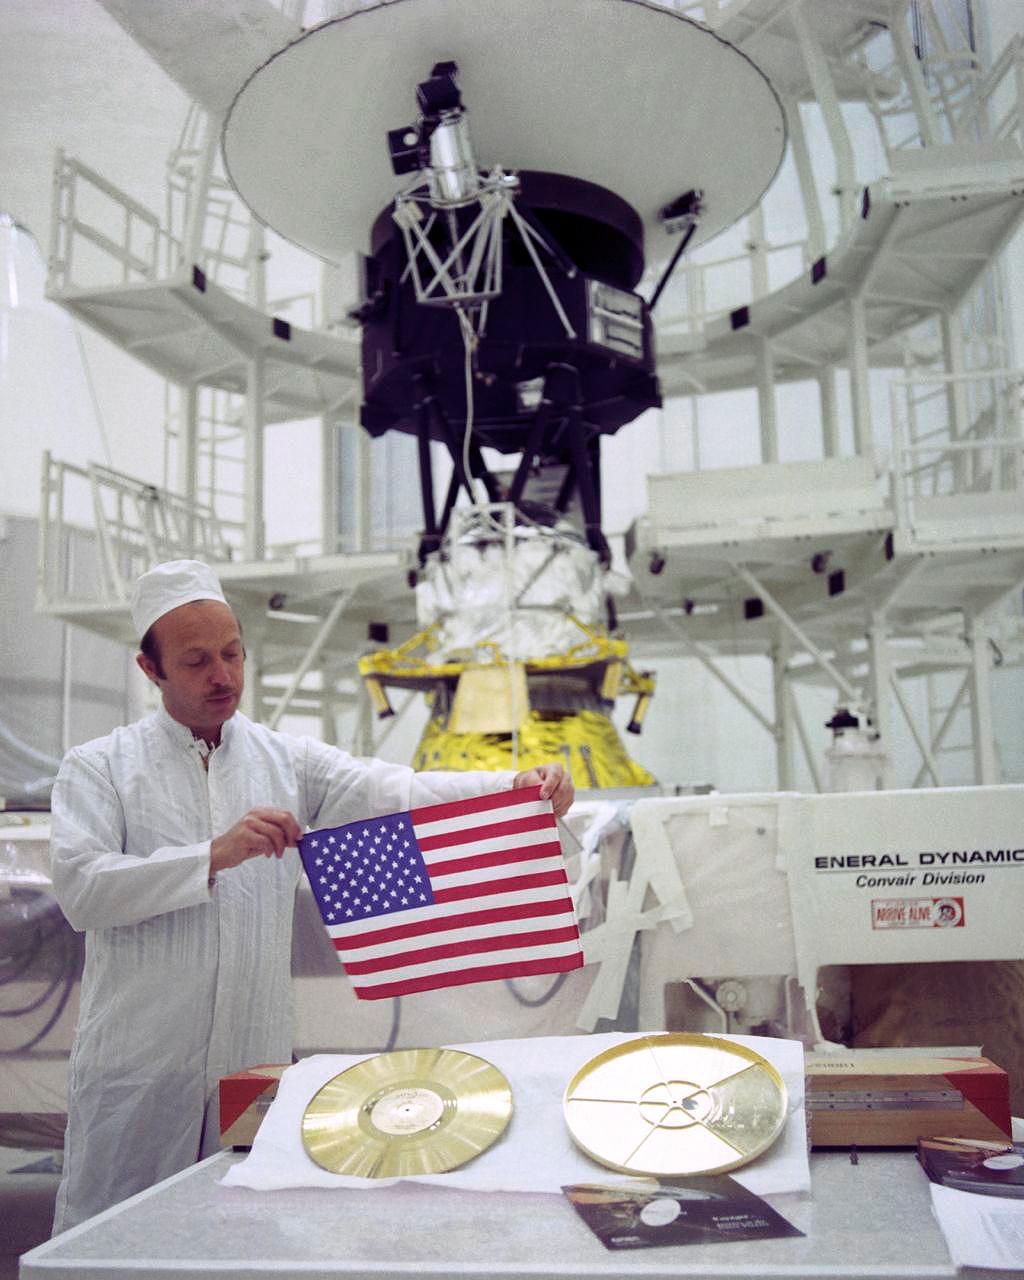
{"points": [[622, 93]]}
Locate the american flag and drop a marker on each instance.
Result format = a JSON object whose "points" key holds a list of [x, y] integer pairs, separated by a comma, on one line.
{"points": [[447, 894]]}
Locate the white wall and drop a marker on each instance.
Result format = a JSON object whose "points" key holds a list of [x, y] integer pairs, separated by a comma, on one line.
{"points": [[71, 78]]}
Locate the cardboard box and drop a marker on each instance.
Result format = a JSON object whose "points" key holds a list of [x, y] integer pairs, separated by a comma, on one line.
{"points": [[872, 1098], [244, 1100]]}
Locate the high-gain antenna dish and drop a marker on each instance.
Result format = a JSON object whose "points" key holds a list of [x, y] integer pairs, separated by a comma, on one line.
{"points": [[509, 168], [624, 94]]}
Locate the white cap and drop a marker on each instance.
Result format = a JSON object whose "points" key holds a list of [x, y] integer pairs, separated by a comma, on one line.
{"points": [[166, 586]]}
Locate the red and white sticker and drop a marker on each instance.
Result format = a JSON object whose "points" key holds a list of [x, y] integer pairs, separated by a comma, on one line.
{"points": [[917, 913]]}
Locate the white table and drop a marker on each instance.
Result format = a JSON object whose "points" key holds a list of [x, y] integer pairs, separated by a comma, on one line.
{"points": [[869, 1219]]}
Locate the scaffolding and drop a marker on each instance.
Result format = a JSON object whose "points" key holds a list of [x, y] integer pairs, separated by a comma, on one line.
{"points": [[926, 545]]}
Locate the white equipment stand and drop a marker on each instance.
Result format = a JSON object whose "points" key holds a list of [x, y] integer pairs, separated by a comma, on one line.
{"points": [[785, 884], [862, 1220]]}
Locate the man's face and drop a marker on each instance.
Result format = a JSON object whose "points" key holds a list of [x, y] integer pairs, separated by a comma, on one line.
{"points": [[201, 669]]}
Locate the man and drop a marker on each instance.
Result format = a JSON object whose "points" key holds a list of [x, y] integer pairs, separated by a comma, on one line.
{"points": [[168, 844]]}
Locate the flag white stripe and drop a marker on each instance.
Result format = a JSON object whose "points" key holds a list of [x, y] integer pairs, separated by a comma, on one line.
{"points": [[478, 875], [525, 840], [500, 928], [366, 926], [483, 820], [510, 871], [452, 964]]}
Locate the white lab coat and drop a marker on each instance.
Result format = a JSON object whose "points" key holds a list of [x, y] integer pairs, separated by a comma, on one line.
{"points": [[185, 983]]}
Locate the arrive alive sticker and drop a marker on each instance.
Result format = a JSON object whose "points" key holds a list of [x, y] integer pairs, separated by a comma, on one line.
{"points": [[917, 913]]}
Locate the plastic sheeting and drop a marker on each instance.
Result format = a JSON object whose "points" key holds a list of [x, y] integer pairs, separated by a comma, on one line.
{"points": [[725, 851], [40, 964], [58, 683]]}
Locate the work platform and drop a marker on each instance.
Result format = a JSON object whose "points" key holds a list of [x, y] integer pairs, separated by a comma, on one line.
{"points": [[921, 240], [285, 601], [826, 542], [192, 331]]}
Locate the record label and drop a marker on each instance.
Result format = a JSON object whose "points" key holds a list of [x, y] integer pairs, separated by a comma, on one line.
{"points": [[407, 1110], [411, 1111], [671, 1105]]}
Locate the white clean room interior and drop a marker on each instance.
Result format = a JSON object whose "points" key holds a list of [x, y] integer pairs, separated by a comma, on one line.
{"points": [[808, 575]]}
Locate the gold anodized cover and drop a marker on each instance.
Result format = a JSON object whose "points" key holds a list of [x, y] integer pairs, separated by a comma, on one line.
{"points": [[410, 1111], [675, 1104]]}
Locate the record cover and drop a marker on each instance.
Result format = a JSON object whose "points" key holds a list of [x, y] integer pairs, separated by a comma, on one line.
{"points": [[701, 1210], [675, 1106], [972, 1164]]}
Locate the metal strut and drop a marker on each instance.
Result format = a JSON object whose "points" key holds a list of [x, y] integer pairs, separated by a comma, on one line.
{"points": [[560, 402], [429, 411]]}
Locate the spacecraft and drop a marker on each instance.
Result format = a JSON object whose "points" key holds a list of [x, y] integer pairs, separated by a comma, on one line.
{"points": [[515, 235]]}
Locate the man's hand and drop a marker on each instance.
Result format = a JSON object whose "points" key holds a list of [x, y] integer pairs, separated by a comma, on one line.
{"points": [[555, 785], [261, 833]]}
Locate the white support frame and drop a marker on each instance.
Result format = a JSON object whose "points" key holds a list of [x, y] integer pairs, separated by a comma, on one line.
{"points": [[936, 106]]}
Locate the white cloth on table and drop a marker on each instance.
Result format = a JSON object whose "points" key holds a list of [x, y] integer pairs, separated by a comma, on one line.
{"points": [[536, 1151], [185, 983]]}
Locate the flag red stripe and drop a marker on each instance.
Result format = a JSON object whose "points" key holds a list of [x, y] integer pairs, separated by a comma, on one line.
{"points": [[441, 924], [493, 830], [511, 884], [478, 804], [497, 859], [484, 973], [468, 947]]}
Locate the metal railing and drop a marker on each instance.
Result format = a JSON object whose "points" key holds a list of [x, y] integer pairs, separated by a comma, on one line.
{"points": [[995, 107], [959, 437], [102, 237], [738, 277], [136, 525], [124, 241]]}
